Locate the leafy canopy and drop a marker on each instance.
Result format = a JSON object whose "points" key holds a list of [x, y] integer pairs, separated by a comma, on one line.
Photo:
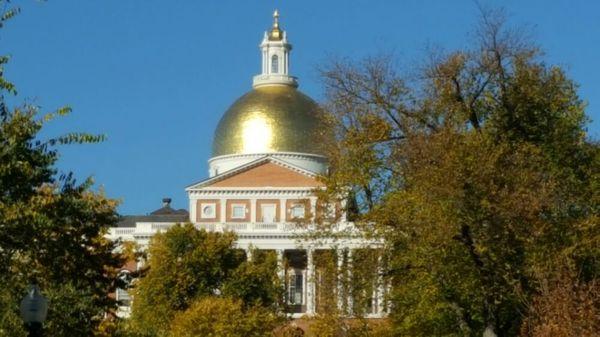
{"points": [[476, 172], [188, 266], [51, 227]]}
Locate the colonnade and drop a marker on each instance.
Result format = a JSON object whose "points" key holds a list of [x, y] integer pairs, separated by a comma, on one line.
{"points": [[345, 299]]}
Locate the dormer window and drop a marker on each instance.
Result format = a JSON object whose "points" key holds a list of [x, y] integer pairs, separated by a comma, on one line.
{"points": [[274, 64]]}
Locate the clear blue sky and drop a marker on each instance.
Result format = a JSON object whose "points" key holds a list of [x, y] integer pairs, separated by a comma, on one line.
{"points": [[155, 76]]}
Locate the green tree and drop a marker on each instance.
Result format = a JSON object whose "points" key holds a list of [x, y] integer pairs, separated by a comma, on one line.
{"points": [[224, 317], [477, 173], [256, 283], [186, 265], [51, 227]]}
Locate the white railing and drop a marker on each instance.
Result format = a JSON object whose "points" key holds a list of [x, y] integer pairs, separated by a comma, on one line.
{"points": [[260, 226], [211, 227], [148, 229], [236, 227], [124, 231], [161, 226]]}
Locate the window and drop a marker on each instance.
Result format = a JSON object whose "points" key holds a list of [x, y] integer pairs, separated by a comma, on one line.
{"points": [[268, 213], [295, 290], [208, 211], [297, 211], [123, 297], [238, 211], [274, 64]]}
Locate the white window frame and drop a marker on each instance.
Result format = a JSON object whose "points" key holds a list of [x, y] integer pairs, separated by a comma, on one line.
{"points": [[121, 294], [233, 206], [214, 210], [274, 64], [292, 289], [298, 206], [262, 212]]}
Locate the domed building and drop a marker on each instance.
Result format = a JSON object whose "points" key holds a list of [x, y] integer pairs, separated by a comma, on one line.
{"points": [[263, 174]]}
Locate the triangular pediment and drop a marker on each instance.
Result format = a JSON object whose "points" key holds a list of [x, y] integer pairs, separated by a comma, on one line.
{"points": [[266, 172]]}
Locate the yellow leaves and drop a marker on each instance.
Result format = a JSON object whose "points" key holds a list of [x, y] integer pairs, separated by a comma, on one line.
{"points": [[565, 306], [64, 111], [224, 317]]}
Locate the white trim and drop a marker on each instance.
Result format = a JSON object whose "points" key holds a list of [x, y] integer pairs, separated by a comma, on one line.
{"points": [[266, 188], [250, 165], [262, 212], [253, 212], [297, 205], [212, 205], [279, 154], [252, 191], [245, 211]]}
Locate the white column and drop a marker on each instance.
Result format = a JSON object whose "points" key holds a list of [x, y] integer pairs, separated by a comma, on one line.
{"points": [[280, 266], [281, 272], [283, 211], [193, 210], [313, 209], [380, 287], [340, 280], [253, 211], [350, 290], [310, 282], [223, 210], [344, 215]]}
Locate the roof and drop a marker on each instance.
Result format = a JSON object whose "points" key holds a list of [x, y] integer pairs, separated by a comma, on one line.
{"points": [[163, 214], [250, 165], [270, 119]]}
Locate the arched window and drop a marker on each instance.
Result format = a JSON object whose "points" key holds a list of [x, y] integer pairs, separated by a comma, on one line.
{"points": [[274, 64]]}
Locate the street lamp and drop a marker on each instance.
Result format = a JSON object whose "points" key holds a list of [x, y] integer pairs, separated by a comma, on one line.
{"points": [[34, 308]]}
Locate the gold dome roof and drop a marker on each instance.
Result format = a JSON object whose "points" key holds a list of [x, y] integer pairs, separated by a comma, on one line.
{"points": [[274, 118]]}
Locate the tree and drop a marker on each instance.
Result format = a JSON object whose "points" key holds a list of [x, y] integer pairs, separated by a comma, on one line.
{"points": [[224, 317], [565, 307], [186, 265], [477, 173], [256, 283], [51, 227]]}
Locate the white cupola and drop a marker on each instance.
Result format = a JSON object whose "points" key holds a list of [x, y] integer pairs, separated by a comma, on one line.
{"points": [[275, 58]]}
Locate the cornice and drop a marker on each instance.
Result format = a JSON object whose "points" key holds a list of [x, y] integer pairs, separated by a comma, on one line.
{"points": [[252, 192], [260, 155]]}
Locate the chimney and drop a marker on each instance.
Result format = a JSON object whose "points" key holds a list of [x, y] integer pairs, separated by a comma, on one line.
{"points": [[166, 202]]}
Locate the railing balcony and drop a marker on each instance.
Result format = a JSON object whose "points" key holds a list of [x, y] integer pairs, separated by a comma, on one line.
{"points": [[251, 227], [145, 229]]}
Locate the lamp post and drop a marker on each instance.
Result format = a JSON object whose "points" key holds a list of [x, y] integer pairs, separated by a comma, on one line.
{"points": [[34, 308]]}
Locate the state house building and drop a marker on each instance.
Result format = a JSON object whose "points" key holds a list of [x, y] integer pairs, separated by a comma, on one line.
{"points": [[262, 178]]}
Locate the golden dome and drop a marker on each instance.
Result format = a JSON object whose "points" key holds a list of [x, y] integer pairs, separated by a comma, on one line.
{"points": [[274, 118]]}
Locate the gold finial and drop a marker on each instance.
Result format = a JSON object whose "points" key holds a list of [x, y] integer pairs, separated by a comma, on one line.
{"points": [[276, 18], [276, 34]]}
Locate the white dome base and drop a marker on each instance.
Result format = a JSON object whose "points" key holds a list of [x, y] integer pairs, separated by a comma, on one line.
{"points": [[311, 162]]}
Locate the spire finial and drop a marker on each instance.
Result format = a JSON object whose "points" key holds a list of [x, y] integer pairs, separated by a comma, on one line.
{"points": [[276, 34]]}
